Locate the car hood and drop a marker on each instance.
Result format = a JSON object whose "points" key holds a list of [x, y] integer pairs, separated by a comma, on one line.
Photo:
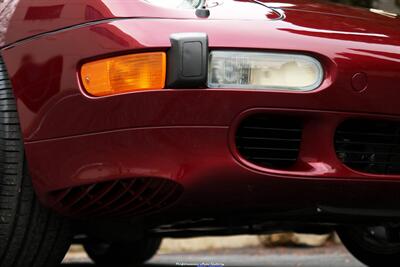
{"points": [[38, 17], [251, 10]]}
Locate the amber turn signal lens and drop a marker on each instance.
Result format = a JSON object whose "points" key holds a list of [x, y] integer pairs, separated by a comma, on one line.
{"points": [[130, 73]]}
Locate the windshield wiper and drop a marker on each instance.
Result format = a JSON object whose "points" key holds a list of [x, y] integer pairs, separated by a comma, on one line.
{"points": [[279, 12]]}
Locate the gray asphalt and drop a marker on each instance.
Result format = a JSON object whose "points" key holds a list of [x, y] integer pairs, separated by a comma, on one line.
{"points": [[330, 256]]}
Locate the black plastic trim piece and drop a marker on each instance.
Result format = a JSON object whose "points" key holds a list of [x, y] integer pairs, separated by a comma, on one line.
{"points": [[187, 60]]}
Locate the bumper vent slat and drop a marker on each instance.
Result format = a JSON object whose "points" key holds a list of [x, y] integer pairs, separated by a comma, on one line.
{"points": [[270, 138], [269, 141], [369, 146]]}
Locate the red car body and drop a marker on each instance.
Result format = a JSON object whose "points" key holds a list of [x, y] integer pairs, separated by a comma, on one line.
{"points": [[185, 138]]}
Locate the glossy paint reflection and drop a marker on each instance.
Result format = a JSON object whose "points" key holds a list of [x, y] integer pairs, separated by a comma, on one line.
{"points": [[35, 92], [7, 8], [62, 13], [44, 13]]}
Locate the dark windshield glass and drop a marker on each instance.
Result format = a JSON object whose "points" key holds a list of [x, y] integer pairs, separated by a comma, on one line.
{"points": [[386, 5]]}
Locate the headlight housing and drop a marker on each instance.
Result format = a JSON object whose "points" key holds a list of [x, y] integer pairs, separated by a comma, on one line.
{"points": [[271, 71]]}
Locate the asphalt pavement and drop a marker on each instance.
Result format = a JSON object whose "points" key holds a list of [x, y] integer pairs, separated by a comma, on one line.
{"points": [[328, 256]]}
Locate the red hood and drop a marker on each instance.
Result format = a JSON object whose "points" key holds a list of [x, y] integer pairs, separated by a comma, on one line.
{"points": [[41, 16]]}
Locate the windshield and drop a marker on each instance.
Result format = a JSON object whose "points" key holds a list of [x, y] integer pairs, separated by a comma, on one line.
{"points": [[392, 6], [188, 4]]}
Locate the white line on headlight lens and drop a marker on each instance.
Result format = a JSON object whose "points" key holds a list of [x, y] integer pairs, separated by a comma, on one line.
{"points": [[272, 71]]}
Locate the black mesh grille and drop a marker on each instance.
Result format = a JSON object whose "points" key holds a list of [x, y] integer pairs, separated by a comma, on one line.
{"points": [[270, 141], [369, 146], [120, 198]]}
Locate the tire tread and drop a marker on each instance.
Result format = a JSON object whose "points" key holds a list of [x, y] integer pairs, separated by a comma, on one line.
{"points": [[31, 235]]}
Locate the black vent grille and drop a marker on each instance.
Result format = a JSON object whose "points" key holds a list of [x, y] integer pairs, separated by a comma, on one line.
{"points": [[120, 198], [270, 141], [369, 146]]}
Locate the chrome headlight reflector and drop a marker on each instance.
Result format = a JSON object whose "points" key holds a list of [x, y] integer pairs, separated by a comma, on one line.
{"points": [[270, 71]]}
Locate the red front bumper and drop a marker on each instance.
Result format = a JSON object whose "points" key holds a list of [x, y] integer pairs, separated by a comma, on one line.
{"points": [[187, 135], [214, 178]]}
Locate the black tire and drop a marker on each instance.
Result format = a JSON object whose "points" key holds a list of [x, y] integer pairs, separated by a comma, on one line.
{"points": [[30, 235], [114, 254], [369, 249]]}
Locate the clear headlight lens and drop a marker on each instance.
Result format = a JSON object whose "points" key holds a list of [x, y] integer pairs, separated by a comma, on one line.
{"points": [[274, 71]]}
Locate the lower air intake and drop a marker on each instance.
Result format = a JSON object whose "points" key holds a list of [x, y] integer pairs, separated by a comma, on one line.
{"points": [[121, 198], [370, 146]]}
